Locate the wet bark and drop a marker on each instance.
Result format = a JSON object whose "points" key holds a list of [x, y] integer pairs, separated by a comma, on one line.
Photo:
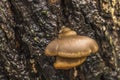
{"points": [[27, 26]]}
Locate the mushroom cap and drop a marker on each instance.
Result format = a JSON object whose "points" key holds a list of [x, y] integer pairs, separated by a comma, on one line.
{"points": [[52, 48], [72, 47], [66, 34], [67, 63], [65, 31], [53, 1]]}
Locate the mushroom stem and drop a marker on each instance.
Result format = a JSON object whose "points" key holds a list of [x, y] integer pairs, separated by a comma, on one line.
{"points": [[75, 73]]}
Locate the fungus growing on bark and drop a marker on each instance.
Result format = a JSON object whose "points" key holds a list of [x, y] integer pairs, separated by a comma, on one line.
{"points": [[66, 63], [53, 1], [70, 49]]}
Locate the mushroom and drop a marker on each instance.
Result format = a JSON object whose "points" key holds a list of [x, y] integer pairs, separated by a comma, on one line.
{"points": [[53, 1], [65, 31], [66, 63], [70, 49]]}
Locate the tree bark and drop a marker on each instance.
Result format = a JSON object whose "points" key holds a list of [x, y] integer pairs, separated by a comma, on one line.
{"points": [[27, 26]]}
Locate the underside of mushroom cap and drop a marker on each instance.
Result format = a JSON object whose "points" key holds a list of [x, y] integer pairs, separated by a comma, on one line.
{"points": [[67, 63], [74, 54]]}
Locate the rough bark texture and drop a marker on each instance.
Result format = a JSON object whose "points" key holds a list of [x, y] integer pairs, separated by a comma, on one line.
{"points": [[27, 26]]}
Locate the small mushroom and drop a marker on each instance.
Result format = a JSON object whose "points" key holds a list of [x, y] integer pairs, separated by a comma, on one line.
{"points": [[66, 63], [53, 1], [70, 49], [65, 31]]}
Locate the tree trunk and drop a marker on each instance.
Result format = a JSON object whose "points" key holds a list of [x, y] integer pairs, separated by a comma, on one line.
{"points": [[27, 26]]}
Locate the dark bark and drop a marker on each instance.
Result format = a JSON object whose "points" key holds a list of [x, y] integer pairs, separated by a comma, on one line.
{"points": [[27, 26]]}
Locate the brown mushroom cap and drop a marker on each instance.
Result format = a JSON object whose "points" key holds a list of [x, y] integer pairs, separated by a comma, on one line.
{"points": [[53, 1], [52, 48], [66, 63], [72, 47], [65, 32], [64, 29]]}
